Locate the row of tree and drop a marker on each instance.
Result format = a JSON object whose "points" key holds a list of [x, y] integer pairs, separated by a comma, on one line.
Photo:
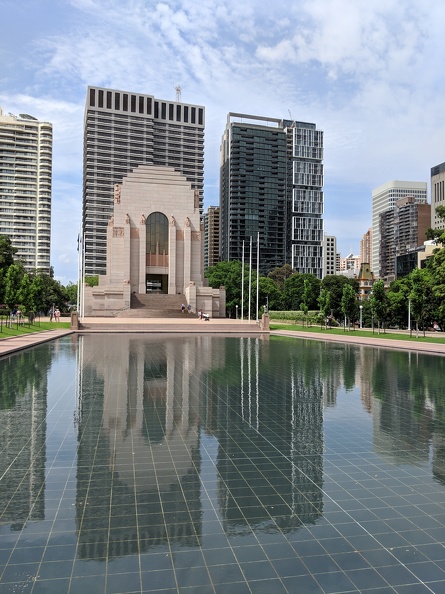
{"points": [[420, 295], [36, 292]]}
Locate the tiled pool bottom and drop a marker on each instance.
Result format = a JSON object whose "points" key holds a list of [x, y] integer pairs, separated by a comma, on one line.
{"points": [[221, 465]]}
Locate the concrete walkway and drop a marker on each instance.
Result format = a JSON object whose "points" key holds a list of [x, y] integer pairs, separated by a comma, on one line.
{"points": [[214, 326], [18, 343], [373, 340]]}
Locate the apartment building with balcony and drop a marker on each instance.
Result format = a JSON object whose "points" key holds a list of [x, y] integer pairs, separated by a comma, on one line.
{"points": [[26, 187]]}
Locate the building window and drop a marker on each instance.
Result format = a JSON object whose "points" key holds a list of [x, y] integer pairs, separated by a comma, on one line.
{"points": [[157, 234], [133, 103], [108, 99], [101, 98], [117, 101], [141, 105], [200, 117], [193, 115], [149, 105], [156, 109], [178, 113], [125, 102], [186, 113], [92, 97], [163, 111]]}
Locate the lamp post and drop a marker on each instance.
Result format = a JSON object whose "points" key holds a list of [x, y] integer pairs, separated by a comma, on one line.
{"points": [[236, 309], [361, 312]]}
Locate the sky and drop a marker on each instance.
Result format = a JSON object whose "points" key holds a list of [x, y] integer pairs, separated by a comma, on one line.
{"points": [[367, 73]]}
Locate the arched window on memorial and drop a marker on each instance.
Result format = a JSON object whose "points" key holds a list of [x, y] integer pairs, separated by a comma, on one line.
{"points": [[157, 239]]}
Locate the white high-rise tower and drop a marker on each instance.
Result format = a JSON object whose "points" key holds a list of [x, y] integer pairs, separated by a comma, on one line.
{"points": [[25, 187]]}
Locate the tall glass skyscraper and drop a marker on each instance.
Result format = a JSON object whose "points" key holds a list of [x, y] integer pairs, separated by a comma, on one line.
{"points": [[25, 187], [121, 131], [272, 184]]}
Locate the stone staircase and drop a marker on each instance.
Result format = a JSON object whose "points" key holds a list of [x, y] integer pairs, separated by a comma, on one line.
{"points": [[169, 326], [156, 305]]}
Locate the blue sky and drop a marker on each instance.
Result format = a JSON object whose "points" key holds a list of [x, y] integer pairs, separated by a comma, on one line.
{"points": [[369, 74]]}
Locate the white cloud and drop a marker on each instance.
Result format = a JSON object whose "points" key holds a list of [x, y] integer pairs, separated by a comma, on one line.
{"points": [[368, 73]]}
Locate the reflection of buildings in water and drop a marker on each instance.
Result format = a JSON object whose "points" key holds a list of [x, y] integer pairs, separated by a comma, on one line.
{"points": [[402, 415], [145, 395], [270, 433], [23, 438]]}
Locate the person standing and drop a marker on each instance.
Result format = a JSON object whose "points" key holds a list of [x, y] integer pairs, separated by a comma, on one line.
{"points": [[182, 308], [57, 314]]}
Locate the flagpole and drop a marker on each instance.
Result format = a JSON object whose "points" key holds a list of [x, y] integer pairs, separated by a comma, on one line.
{"points": [[250, 274], [242, 285], [257, 272]]}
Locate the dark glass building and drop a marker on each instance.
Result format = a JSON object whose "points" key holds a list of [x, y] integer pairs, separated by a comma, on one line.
{"points": [[271, 188]]}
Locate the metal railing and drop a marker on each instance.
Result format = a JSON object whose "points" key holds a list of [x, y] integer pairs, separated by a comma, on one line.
{"points": [[18, 320]]}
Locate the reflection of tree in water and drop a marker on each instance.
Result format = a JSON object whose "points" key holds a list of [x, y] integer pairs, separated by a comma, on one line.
{"points": [[23, 372], [23, 403], [349, 366], [405, 386]]}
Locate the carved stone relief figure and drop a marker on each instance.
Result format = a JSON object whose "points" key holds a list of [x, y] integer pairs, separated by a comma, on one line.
{"points": [[172, 221], [187, 222], [143, 219], [127, 219], [196, 198], [117, 193], [111, 221]]}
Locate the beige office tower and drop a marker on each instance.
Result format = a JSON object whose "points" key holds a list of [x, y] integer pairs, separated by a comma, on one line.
{"points": [[123, 130], [437, 195], [329, 255], [25, 187], [366, 247], [211, 236], [385, 197]]}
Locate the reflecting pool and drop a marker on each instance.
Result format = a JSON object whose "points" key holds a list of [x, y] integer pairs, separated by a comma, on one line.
{"points": [[214, 465]]}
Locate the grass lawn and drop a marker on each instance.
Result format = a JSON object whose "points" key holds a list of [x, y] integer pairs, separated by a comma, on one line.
{"points": [[365, 333], [27, 329]]}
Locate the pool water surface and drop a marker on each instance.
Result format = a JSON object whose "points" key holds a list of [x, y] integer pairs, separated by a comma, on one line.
{"points": [[221, 465]]}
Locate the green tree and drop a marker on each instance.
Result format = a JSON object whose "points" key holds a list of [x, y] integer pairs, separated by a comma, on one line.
{"points": [[421, 296], [24, 294], [92, 281], [71, 290], [349, 304], [13, 279], [324, 302], [398, 297], [268, 292], [334, 283], [306, 296], [280, 274], [229, 275], [7, 252], [294, 289], [379, 303]]}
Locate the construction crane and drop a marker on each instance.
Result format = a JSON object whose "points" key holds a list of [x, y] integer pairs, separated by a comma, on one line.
{"points": [[292, 119]]}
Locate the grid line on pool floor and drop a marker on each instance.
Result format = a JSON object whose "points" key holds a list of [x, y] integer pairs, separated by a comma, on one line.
{"points": [[215, 465]]}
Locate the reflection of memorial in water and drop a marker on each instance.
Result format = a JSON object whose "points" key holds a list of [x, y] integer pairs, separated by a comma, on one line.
{"points": [[138, 480], [270, 432], [23, 404]]}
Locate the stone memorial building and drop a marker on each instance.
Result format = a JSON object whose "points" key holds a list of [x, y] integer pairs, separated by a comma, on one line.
{"points": [[154, 245]]}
